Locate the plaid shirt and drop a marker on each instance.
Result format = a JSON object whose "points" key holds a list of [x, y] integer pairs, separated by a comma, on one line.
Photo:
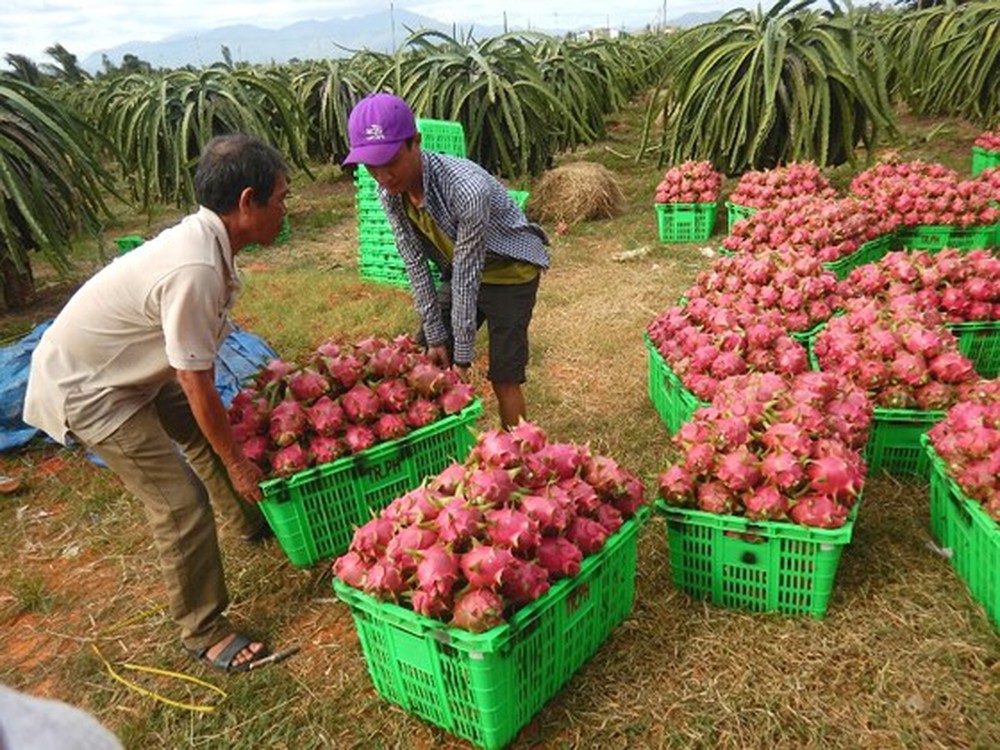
{"points": [[473, 208]]}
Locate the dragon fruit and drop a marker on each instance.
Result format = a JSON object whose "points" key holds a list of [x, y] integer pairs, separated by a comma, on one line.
{"points": [[528, 436], [371, 539], [360, 404], [384, 581], [390, 427], [358, 437], [552, 516], [346, 369], [307, 385], [587, 534], [819, 510], [523, 582], [448, 481], [393, 395], [438, 571], [496, 448], [352, 569], [255, 449], [290, 459], [288, 423], [459, 523], [491, 487], [477, 610], [512, 529], [326, 416], [422, 412], [483, 566], [324, 450], [426, 379], [559, 556], [389, 362], [457, 397], [431, 604]]}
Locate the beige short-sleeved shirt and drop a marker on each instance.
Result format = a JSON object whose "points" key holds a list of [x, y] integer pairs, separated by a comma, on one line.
{"points": [[162, 307]]}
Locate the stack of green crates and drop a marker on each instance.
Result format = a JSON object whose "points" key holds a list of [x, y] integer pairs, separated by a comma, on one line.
{"points": [[378, 259]]}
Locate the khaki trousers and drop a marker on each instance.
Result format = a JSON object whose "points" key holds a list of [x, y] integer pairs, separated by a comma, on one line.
{"points": [[179, 497]]}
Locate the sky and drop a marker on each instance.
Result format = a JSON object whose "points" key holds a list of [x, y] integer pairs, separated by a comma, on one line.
{"points": [[85, 26]]}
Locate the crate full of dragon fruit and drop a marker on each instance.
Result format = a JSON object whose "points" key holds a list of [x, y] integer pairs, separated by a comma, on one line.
{"points": [[479, 594]]}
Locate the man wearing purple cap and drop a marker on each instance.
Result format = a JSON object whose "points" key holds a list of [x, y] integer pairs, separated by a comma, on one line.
{"points": [[450, 211]]}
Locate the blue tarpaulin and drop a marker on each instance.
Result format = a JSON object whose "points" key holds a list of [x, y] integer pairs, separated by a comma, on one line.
{"points": [[241, 355]]}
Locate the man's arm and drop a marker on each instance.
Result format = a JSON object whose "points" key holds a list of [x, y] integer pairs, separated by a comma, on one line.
{"points": [[473, 215], [210, 414]]}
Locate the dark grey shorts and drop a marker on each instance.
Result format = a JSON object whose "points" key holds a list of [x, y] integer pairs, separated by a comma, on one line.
{"points": [[506, 309]]}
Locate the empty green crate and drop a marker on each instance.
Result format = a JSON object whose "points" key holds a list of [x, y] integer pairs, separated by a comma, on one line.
{"points": [[984, 159], [485, 687], [760, 566], [869, 252], [685, 222], [980, 342], [935, 238], [969, 534], [894, 441], [314, 512], [673, 402], [736, 212]]}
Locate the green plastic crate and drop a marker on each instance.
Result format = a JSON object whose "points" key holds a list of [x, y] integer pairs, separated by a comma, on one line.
{"points": [[736, 212], [980, 342], [984, 159], [685, 222], [760, 566], [934, 238], [314, 512], [128, 242], [972, 537], [894, 441], [673, 402], [485, 687], [870, 252]]}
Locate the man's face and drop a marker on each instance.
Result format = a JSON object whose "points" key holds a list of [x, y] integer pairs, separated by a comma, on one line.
{"points": [[401, 173], [268, 218]]}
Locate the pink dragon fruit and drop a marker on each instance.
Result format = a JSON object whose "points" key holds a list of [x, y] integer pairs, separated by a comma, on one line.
{"points": [[422, 412], [604, 475], [448, 481], [559, 556], [676, 485], [389, 362], [345, 369], [324, 450], [393, 395], [459, 523], [352, 569], [307, 385], [431, 604], [552, 516], [565, 459], [834, 476], [288, 423], [491, 487], [290, 459], [326, 416], [384, 581], [496, 448], [766, 504], [477, 610], [360, 404], [255, 449], [583, 496], [524, 581], [404, 549], [609, 517], [438, 571], [819, 510], [273, 371], [483, 566], [528, 436], [715, 497], [390, 427], [358, 437], [782, 469], [426, 379], [457, 397], [513, 529], [370, 540], [587, 534]]}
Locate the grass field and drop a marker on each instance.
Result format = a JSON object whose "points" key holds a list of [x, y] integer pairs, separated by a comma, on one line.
{"points": [[904, 658]]}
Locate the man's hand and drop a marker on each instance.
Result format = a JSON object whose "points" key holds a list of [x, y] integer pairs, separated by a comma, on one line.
{"points": [[439, 355], [463, 372], [246, 476]]}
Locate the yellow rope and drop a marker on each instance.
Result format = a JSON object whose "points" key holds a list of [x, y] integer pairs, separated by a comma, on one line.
{"points": [[142, 614], [164, 673]]}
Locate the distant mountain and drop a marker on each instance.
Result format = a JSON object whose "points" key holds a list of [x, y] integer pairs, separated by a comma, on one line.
{"points": [[303, 40], [688, 20]]}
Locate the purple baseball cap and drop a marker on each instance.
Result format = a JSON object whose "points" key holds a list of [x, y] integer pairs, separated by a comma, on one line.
{"points": [[376, 128]]}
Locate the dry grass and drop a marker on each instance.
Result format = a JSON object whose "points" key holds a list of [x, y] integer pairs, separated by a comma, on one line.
{"points": [[575, 192], [904, 658]]}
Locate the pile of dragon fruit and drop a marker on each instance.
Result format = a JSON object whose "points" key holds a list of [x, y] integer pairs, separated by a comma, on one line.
{"points": [[989, 140], [487, 536], [797, 286], [901, 354], [766, 189], [926, 194], [820, 226], [961, 286], [773, 447], [726, 343], [343, 399], [990, 179], [968, 440], [690, 182]]}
